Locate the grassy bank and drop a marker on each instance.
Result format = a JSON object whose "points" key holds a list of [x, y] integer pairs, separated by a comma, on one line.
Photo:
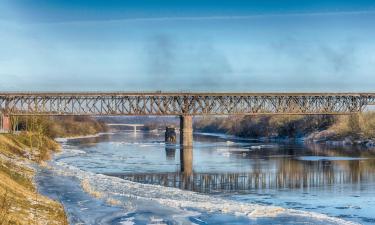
{"points": [[20, 202], [265, 126], [355, 128], [60, 126]]}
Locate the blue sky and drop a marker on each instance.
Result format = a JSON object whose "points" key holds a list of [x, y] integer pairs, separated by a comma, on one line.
{"points": [[252, 46]]}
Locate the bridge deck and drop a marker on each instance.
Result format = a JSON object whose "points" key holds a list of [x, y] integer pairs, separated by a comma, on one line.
{"points": [[54, 94]]}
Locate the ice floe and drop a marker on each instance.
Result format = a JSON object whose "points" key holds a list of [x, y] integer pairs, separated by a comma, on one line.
{"points": [[327, 158], [117, 188]]}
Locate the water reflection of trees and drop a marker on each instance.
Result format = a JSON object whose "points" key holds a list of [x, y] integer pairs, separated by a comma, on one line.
{"points": [[90, 141], [346, 150]]}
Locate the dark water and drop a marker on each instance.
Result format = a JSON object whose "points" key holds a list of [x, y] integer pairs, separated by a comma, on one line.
{"points": [[338, 182]]}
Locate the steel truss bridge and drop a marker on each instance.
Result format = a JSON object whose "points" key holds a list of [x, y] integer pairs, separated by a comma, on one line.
{"points": [[161, 103]]}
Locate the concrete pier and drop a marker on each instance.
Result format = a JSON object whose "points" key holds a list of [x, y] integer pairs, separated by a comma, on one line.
{"points": [[186, 131], [186, 160], [170, 135], [186, 144]]}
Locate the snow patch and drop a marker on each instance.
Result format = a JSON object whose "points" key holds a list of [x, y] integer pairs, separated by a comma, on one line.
{"points": [[328, 158], [261, 146]]}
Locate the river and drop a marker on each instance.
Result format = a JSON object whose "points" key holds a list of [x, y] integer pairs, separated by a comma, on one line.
{"points": [[128, 178]]}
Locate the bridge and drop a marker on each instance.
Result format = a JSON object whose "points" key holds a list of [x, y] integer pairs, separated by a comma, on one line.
{"points": [[184, 105], [125, 125]]}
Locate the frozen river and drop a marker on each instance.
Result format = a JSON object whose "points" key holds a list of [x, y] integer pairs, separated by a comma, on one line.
{"points": [[127, 178]]}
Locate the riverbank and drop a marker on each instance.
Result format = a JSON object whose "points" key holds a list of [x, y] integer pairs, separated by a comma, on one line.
{"points": [[332, 130], [20, 201], [348, 130], [21, 153]]}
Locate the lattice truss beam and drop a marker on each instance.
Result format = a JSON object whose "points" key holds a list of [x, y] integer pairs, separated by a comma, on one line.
{"points": [[180, 104]]}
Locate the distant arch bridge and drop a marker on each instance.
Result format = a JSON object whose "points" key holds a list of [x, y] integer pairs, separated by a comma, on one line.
{"points": [[126, 125]]}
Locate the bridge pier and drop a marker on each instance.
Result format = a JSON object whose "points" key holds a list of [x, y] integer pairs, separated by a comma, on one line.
{"points": [[186, 160], [5, 125], [186, 131], [170, 135], [186, 144]]}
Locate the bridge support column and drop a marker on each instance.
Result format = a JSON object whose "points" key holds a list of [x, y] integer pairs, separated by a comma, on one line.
{"points": [[186, 160], [5, 125], [186, 131], [186, 144]]}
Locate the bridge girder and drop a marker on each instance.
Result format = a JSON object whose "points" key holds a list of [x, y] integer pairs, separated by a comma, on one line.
{"points": [[136, 104]]}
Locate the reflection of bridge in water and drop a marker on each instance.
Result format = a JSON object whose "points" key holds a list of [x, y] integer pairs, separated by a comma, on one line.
{"points": [[286, 173], [230, 182]]}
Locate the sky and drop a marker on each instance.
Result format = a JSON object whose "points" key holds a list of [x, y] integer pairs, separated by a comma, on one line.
{"points": [[195, 45]]}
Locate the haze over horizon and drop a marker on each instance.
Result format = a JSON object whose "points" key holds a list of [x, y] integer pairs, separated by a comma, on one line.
{"points": [[257, 46]]}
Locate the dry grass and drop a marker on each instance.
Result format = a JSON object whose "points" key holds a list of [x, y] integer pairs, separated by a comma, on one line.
{"points": [[367, 124], [23, 205], [66, 126], [87, 188], [28, 145], [5, 206], [265, 126], [20, 203], [111, 201], [355, 126]]}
